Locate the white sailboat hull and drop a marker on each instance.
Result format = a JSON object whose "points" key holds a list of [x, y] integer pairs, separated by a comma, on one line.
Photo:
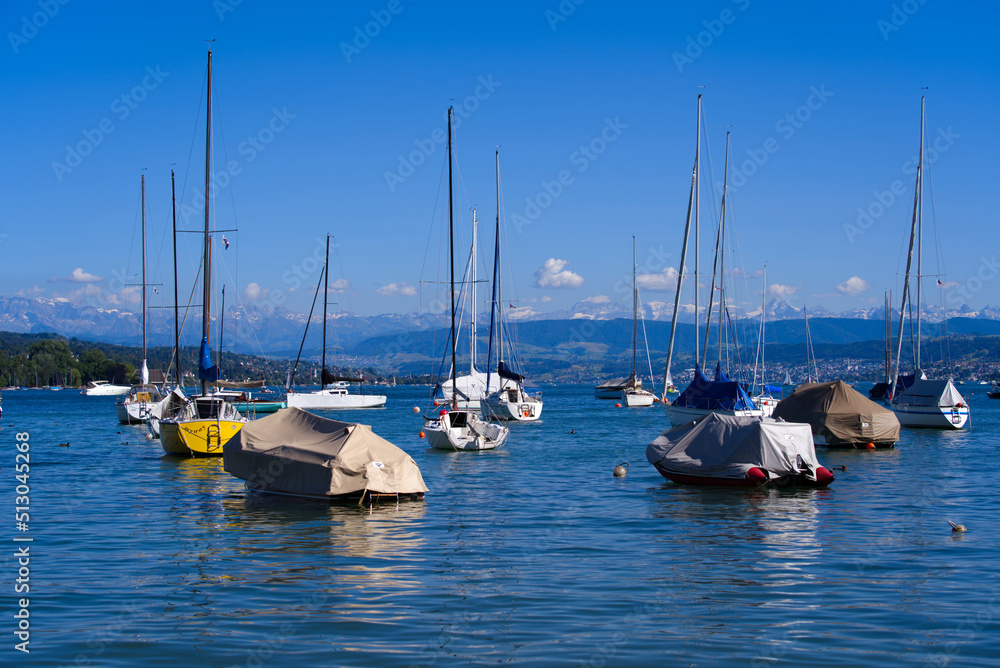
{"points": [[681, 415], [334, 400], [943, 417], [637, 399], [513, 403], [473, 434]]}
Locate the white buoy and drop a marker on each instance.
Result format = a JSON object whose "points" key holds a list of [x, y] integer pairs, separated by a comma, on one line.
{"points": [[621, 470]]}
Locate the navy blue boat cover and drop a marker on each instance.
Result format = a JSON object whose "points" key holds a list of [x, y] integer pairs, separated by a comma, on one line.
{"points": [[718, 394], [207, 370]]}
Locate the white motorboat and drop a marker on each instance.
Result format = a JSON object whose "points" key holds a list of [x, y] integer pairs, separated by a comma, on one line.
{"points": [[334, 396], [103, 388]]}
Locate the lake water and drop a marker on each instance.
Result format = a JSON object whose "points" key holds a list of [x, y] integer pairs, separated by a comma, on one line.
{"points": [[532, 554]]}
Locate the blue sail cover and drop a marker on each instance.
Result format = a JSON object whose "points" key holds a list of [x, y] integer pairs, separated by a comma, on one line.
{"points": [[505, 371], [207, 370], [713, 395]]}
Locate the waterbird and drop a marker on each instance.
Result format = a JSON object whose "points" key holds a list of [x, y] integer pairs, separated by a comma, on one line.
{"points": [[64, 445], [621, 470], [572, 431], [956, 527]]}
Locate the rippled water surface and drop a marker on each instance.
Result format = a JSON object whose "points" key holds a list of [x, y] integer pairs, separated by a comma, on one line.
{"points": [[531, 554]]}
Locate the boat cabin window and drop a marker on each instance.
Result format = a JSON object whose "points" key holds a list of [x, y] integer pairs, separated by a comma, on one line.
{"points": [[458, 420], [512, 396], [206, 409]]}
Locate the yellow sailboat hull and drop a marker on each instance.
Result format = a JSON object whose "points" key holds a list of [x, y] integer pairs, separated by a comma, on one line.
{"points": [[202, 438]]}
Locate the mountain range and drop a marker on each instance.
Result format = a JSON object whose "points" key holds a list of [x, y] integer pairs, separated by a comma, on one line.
{"points": [[278, 332]]}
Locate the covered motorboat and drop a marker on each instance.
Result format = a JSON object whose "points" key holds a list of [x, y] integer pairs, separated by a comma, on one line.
{"points": [[740, 452], [704, 397], [611, 389], [296, 453], [839, 415]]}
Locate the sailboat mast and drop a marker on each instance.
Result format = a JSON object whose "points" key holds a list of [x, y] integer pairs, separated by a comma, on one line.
{"points": [[326, 290], [635, 312], [451, 255], [207, 279], [472, 330], [145, 371], [177, 335], [763, 321], [692, 204], [909, 256], [920, 226], [697, 227], [722, 253], [498, 272]]}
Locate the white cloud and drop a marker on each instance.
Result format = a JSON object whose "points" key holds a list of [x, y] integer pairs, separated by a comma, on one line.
{"points": [[553, 274], [781, 291], [546, 299], [397, 289], [340, 285], [853, 286], [665, 280], [81, 276], [30, 292], [253, 292], [948, 285], [597, 299]]}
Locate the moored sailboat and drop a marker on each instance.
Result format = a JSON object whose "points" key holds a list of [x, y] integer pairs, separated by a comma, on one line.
{"points": [[633, 395], [459, 428], [333, 392], [208, 421], [917, 401], [511, 401], [140, 400], [703, 396]]}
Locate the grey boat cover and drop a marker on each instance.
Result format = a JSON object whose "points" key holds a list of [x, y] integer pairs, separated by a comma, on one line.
{"points": [[839, 413], [296, 452], [923, 392], [726, 446], [613, 384]]}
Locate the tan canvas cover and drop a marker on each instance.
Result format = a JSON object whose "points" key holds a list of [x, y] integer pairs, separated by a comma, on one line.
{"points": [[725, 446], [839, 413], [296, 452]]}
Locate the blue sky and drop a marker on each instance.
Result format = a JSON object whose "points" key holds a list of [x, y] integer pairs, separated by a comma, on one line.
{"points": [[324, 128]]}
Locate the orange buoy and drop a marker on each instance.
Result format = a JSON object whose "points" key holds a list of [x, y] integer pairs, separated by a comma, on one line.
{"points": [[870, 446], [618, 405], [527, 414], [416, 409], [421, 434]]}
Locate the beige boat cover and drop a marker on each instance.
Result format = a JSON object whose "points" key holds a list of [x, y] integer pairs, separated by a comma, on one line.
{"points": [[727, 446], [297, 452], [839, 413]]}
